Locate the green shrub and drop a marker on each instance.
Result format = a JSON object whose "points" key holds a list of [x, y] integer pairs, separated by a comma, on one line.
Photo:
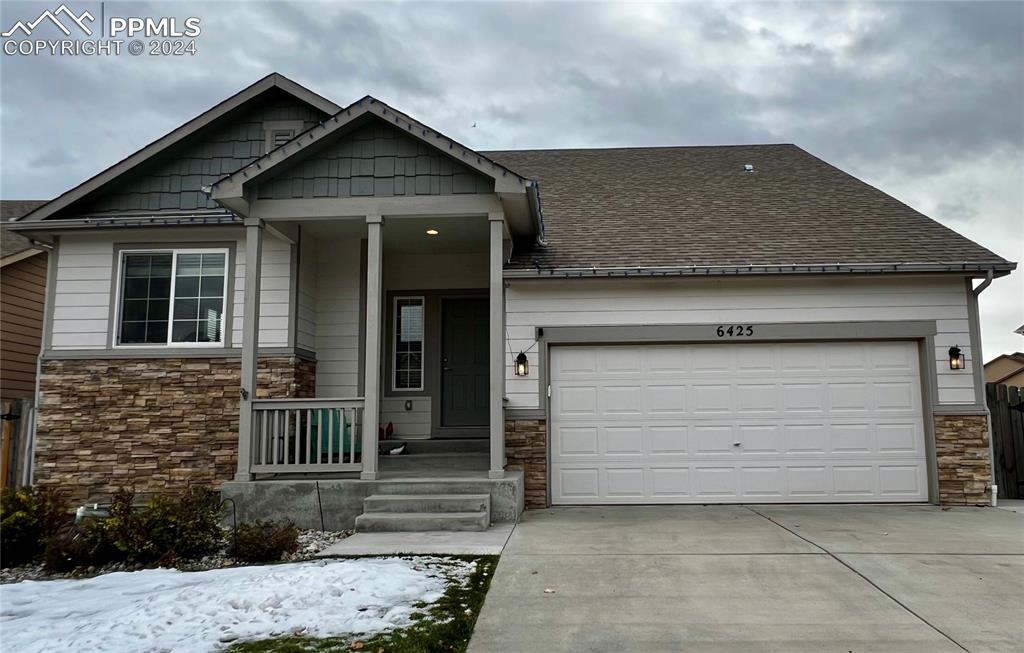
{"points": [[264, 541], [166, 528], [27, 518], [78, 545]]}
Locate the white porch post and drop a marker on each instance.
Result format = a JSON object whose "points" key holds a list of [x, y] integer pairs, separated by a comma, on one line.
{"points": [[496, 340], [250, 343], [371, 356]]}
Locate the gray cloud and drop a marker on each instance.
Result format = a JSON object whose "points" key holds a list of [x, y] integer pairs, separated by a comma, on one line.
{"points": [[925, 100]]}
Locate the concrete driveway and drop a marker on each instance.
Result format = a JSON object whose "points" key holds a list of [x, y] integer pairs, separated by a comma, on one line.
{"points": [[758, 578]]}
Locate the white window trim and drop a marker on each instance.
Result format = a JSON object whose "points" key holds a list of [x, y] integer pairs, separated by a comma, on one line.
{"points": [[394, 343], [174, 252]]}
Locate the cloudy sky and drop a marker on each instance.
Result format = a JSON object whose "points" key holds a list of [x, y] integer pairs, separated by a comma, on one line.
{"points": [[923, 100]]}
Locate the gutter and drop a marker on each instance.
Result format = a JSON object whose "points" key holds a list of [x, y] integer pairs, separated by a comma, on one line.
{"points": [[984, 284], [129, 221], [979, 356], [533, 197], [991, 269]]}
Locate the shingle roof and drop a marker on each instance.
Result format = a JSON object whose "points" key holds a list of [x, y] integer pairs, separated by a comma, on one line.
{"points": [[687, 206], [12, 243]]}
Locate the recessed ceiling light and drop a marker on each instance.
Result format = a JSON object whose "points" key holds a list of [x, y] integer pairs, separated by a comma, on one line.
{"points": [[432, 232]]}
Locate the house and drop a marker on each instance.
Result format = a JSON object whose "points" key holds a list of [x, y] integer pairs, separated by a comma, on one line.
{"points": [[282, 291], [22, 293], [1007, 369]]}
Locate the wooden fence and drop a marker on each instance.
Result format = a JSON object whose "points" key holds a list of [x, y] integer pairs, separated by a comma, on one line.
{"points": [[15, 448], [1006, 404]]}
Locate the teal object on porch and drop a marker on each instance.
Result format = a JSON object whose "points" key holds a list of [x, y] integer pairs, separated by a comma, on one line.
{"points": [[334, 438]]}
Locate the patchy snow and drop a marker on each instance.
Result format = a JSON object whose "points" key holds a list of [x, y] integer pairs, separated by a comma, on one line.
{"points": [[168, 610]]}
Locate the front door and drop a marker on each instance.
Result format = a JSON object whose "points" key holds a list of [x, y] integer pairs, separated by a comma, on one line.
{"points": [[464, 369]]}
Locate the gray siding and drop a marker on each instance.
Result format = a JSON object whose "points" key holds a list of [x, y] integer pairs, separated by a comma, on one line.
{"points": [[376, 160], [173, 181]]}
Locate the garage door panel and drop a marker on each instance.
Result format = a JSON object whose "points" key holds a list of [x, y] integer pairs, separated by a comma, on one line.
{"points": [[576, 441], [624, 483], [699, 423], [901, 480], [623, 440], [763, 482], [716, 482], [669, 482]]}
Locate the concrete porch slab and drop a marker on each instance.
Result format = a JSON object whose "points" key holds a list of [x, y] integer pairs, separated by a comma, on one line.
{"points": [[489, 542], [333, 504]]}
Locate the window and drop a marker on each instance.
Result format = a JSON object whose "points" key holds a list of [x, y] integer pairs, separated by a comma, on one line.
{"points": [[408, 372], [172, 297]]}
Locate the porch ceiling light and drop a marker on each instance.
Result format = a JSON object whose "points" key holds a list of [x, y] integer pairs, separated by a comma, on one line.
{"points": [[522, 364], [432, 232], [956, 358]]}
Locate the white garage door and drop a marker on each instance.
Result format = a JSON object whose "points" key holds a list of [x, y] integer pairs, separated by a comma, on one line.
{"points": [[721, 423]]}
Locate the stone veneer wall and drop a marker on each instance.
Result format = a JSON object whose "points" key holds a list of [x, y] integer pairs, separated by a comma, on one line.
{"points": [[964, 463], [526, 449], [155, 424]]}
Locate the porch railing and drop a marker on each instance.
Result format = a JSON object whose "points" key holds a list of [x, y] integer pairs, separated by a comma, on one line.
{"points": [[306, 435]]}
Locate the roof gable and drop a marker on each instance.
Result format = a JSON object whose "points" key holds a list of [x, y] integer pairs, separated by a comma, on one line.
{"points": [[150, 178], [349, 119], [375, 159]]}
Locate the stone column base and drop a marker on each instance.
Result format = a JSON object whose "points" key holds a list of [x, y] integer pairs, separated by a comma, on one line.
{"points": [[964, 462], [526, 449]]}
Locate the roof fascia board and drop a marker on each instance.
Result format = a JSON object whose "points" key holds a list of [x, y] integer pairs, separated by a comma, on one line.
{"points": [[505, 180], [20, 256], [641, 272], [202, 120]]}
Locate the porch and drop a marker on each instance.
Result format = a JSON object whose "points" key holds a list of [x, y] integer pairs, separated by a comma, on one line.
{"points": [[401, 314]]}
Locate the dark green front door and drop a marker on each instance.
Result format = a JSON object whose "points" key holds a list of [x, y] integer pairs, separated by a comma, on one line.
{"points": [[464, 371]]}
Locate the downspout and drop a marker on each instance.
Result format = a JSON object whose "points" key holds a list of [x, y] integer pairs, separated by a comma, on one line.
{"points": [[976, 350]]}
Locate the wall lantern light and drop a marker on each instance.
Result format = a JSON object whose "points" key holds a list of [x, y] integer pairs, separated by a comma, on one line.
{"points": [[956, 358], [522, 364]]}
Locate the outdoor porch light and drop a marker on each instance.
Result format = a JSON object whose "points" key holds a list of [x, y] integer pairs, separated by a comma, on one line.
{"points": [[522, 364], [956, 358]]}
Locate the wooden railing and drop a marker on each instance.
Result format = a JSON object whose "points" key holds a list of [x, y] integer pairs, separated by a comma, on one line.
{"points": [[306, 435]]}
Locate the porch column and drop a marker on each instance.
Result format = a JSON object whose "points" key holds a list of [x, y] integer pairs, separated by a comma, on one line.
{"points": [[496, 342], [371, 356], [250, 343]]}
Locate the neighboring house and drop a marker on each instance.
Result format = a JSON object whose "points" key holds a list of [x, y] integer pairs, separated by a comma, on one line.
{"points": [[1007, 369], [22, 295], [22, 291], [635, 325]]}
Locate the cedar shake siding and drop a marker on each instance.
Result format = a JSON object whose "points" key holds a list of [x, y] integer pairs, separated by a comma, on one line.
{"points": [[173, 180], [157, 425], [22, 291], [376, 160]]}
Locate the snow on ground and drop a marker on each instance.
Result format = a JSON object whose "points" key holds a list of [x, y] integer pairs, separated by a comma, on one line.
{"points": [[168, 610]]}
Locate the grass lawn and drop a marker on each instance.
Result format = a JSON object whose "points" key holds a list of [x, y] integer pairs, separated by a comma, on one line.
{"points": [[444, 626]]}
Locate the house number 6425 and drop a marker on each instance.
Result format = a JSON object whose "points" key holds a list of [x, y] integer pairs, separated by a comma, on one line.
{"points": [[734, 330]]}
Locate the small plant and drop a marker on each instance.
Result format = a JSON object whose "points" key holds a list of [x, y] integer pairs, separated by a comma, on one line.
{"points": [[27, 518], [167, 527], [264, 541], [78, 545]]}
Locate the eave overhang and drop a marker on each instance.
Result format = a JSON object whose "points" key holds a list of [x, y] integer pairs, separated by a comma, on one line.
{"points": [[973, 269]]}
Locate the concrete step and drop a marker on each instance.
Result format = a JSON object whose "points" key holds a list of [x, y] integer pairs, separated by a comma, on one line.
{"points": [[434, 503], [440, 445], [396, 522]]}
